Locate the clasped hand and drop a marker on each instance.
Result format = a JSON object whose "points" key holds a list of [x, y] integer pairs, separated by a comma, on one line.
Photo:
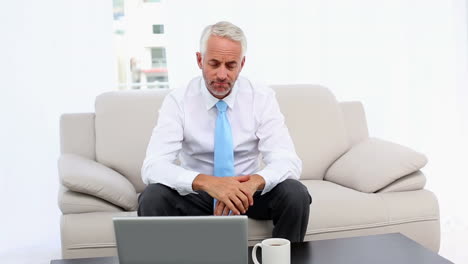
{"points": [[233, 194]]}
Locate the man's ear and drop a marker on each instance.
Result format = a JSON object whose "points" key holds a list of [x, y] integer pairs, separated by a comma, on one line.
{"points": [[199, 60], [242, 62]]}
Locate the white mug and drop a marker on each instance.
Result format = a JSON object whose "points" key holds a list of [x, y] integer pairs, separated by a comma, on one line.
{"points": [[274, 251]]}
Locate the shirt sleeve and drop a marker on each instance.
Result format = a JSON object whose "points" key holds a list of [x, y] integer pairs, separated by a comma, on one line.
{"points": [[276, 146], [163, 149]]}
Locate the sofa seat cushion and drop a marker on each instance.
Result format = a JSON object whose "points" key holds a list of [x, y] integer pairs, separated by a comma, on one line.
{"points": [[336, 211], [337, 208], [334, 208]]}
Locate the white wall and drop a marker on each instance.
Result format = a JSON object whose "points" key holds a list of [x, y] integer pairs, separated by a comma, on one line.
{"points": [[56, 56]]}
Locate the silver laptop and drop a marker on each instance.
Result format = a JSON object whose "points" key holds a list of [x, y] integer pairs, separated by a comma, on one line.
{"points": [[186, 239]]}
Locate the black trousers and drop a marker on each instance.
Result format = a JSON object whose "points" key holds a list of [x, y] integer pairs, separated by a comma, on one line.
{"points": [[287, 205]]}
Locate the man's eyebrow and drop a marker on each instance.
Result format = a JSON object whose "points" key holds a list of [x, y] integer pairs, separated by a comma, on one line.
{"points": [[231, 62]]}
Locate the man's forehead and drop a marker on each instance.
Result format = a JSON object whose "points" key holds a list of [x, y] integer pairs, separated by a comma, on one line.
{"points": [[233, 60], [223, 45], [222, 55]]}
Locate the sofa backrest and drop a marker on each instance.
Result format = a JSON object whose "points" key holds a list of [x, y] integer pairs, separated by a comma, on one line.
{"points": [[316, 125], [125, 120]]}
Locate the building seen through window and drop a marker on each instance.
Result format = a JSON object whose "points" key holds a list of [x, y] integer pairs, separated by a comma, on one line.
{"points": [[140, 44], [158, 29]]}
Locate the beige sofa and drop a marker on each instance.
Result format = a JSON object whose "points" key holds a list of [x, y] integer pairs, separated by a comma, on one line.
{"points": [[359, 185]]}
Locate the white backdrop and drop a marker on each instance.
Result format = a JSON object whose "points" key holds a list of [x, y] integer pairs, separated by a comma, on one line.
{"points": [[405, 60], [56, 56]]}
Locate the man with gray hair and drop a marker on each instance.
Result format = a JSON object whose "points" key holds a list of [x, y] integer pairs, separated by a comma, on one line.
{"points": [[217, 128]]}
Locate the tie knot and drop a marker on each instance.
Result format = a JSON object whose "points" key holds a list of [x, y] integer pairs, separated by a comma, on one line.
{"points": [[221, 105]]}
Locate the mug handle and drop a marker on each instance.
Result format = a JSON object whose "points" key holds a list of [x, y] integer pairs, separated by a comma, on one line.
{"points": [[254, 253]]}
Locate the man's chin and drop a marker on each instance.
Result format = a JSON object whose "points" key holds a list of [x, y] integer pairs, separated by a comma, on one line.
{"points": [[220, 92]]}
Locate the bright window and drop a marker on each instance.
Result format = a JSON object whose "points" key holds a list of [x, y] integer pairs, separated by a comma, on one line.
{"points": [[140, 44], [158, 29]]}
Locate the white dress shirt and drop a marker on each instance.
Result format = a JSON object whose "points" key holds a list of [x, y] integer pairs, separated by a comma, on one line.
{"points": [[185, 132]]}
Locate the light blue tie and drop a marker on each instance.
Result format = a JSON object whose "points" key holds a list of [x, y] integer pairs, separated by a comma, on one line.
{"points": [[223, 147]]}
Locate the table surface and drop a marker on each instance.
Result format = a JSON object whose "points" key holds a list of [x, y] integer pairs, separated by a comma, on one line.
{"points": [[382, 249]]}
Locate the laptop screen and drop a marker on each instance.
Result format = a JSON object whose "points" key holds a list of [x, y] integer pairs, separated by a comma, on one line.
{"points": [[186, 239]]}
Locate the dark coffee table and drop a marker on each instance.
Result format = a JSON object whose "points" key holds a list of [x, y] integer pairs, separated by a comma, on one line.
{"points": [[382, 249]]}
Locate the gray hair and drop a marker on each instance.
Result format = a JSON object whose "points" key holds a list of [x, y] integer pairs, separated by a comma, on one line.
{"points": [[226, 30]]}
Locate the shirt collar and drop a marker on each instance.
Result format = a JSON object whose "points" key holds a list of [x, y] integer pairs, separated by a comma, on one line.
{"points": [[211, 101]]}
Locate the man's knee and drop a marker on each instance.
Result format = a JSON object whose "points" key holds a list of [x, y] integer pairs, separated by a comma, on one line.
{"points": [[293, 191], [153, 199], [154, 191]]}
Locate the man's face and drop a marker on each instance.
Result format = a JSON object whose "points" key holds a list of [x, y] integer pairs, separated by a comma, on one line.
{"points": [[221, 65]]}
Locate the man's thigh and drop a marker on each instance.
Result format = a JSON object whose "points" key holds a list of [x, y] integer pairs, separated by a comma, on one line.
{"points": [[265, 204], [160, 200], [261, 210]]}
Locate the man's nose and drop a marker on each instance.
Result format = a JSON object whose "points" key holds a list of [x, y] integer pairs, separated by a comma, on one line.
{"points": [[221, 73]]}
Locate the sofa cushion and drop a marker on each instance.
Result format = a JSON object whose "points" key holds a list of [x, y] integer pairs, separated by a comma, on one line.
{"points": [[412, 182], [87, 176], [316, 125], [336, 208], [124, 122], [373, 164]]}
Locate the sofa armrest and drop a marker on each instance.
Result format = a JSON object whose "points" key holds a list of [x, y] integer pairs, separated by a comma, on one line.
{"points": [[373, 164], [83, 175], [412, 182], [71, 202]]}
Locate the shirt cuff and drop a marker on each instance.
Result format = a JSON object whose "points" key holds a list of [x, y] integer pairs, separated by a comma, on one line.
{"points": [[185, 181], [271, 178]]}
